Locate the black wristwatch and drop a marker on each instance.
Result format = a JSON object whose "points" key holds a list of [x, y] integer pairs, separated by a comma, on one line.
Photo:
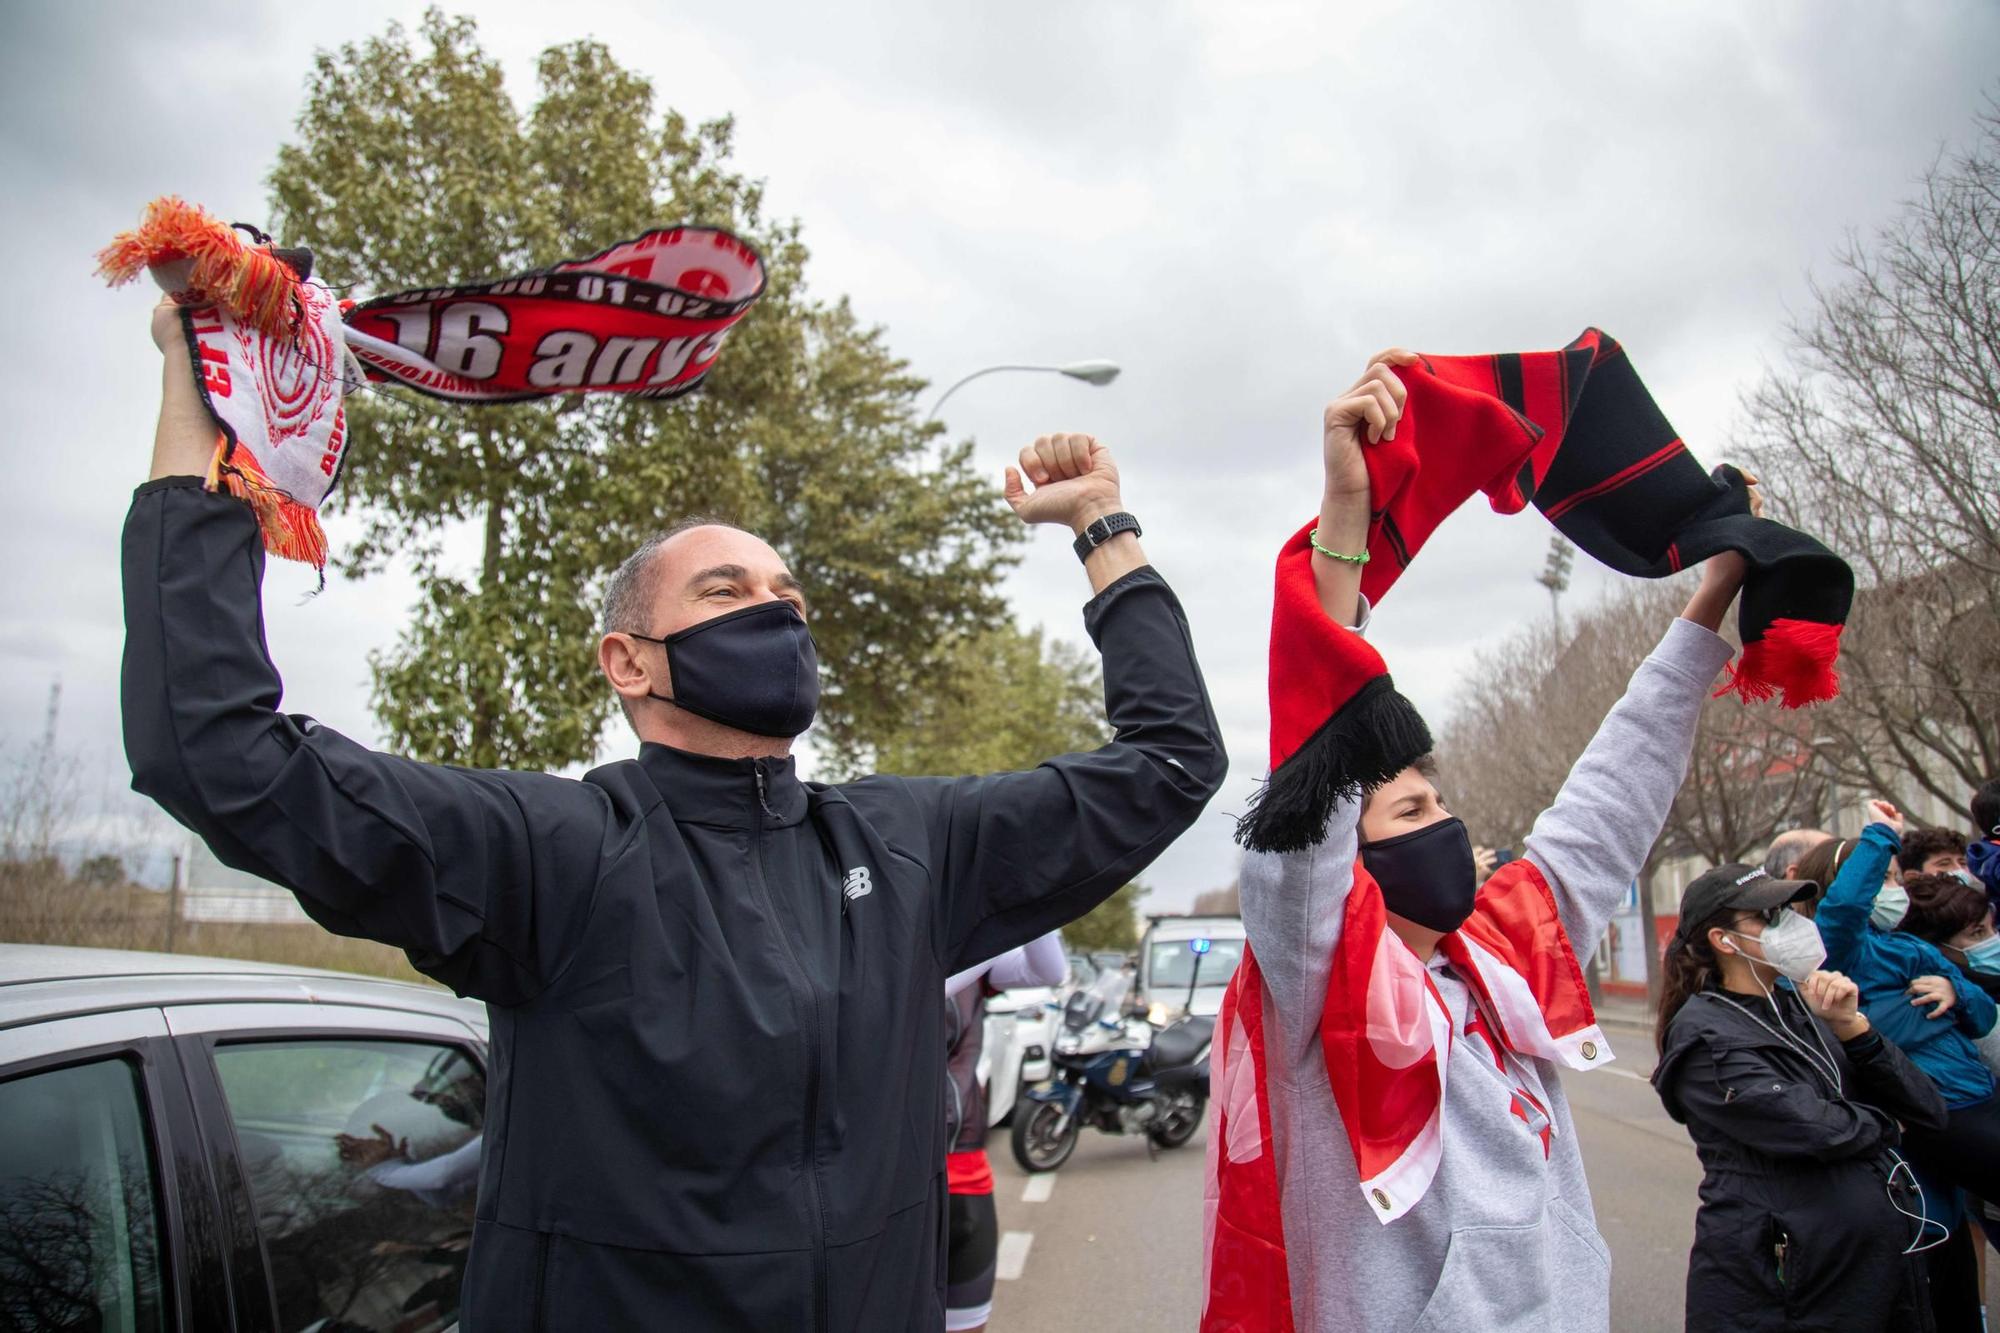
{"points": [[1102, 531]]}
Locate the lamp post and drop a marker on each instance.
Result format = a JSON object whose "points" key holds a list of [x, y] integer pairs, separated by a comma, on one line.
{"points": [[1090, 372]]}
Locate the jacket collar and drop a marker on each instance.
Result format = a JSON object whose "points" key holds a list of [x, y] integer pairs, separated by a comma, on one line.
{"points": [[732, 793]]}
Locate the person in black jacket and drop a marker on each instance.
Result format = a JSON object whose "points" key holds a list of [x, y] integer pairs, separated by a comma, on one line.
{"points": [[1809, 1217], [717, 1048]]}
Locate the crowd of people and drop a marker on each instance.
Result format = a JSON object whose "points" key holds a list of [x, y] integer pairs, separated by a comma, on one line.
{"points": [[1829, 1036], [755, 997]]}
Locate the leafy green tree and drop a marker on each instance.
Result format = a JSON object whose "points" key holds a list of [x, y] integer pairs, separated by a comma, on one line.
{"points": [[412, 165], [1006, 699], [1003, 699], [1112, 924]]}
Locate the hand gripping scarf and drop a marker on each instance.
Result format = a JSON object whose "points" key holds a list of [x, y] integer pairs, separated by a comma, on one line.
{"points": [[1386, 1037], [274, 352], [1575, 433]]}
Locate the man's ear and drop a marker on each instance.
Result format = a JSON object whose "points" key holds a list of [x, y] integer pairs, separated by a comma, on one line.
{"points": [[618, 656]]}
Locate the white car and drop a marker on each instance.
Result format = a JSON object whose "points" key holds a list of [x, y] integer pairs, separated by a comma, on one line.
{"points": [[1185, 963]]}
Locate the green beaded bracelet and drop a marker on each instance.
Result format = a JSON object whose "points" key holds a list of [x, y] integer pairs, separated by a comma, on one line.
{"points": [[1313, 537]]}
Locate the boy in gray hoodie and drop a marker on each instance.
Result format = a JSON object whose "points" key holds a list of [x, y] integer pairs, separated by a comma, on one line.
{"points": [[1393, 1149]]}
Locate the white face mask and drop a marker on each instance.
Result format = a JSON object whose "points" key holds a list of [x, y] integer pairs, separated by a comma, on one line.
{"points": [[1891, 906], [1791, 944]]}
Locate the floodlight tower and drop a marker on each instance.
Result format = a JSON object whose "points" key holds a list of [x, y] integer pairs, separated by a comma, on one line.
{"points": [[1555, 575]]}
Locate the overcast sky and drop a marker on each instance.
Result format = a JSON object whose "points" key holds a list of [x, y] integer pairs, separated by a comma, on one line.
{"points": [[1237, 203]]}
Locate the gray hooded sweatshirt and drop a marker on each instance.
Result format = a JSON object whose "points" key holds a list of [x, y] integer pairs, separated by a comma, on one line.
{"points": [[1505, 1239]]}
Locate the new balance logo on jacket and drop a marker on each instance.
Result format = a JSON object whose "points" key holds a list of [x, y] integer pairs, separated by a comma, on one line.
{"points": [[859, 884]]}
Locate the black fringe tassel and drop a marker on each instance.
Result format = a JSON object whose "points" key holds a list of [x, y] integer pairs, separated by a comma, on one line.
{"points": [[1376, 735]]}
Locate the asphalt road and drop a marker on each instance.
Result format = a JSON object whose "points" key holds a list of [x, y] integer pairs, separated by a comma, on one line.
{"points": [[1116, 1242]]}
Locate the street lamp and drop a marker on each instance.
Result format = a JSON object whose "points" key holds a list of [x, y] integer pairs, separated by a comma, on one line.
{"points": [[1090, 372]]}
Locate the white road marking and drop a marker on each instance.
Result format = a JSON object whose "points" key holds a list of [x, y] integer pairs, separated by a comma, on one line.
{"points": [[1013, 1254], [1039, 1188]]}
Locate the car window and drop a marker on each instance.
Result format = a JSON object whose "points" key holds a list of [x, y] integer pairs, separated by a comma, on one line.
{"points": [[363, 1159], [1174, 963], [79, 1230]]}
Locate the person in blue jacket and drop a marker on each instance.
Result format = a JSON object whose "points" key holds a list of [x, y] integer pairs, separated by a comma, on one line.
{"points": [[1982, 857], [1919, 1000]]}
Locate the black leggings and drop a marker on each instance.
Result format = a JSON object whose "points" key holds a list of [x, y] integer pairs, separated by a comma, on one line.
{"points": [[974, 1236], [1954, 1273], [1965, 1153]]}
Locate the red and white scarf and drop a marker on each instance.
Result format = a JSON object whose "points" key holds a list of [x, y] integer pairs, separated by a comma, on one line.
{"points": [[1385, 1034], [275, 353]]}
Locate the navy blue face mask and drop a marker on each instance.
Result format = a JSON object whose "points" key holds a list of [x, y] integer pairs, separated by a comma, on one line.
{"points": [[754, 670], [1428, 876]]}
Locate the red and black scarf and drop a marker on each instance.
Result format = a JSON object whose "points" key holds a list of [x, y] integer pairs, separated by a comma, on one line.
{"points": [[1576, 434]]}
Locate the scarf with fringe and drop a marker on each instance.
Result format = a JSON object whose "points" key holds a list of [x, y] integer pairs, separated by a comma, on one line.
{"points": [[275, 353]]}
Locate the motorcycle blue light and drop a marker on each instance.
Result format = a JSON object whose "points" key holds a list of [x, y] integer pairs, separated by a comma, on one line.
{"points": [[1198, 946]]}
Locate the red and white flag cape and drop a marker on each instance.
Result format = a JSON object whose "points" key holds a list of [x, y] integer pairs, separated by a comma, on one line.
{"points": [[1385, 1034]]}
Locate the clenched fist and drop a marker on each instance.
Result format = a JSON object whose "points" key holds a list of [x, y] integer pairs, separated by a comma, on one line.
{"points": [[1837, 1000], [1074, 478]]}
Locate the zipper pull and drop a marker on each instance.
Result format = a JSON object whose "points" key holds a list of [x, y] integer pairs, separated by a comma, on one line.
{"points": [[757, 768]]}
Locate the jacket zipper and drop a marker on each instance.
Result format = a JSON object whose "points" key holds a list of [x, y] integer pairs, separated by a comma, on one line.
{"points": [[804, 982]]}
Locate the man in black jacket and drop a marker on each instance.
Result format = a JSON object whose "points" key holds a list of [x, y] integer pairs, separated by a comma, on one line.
{"points": [[716, 1090]]}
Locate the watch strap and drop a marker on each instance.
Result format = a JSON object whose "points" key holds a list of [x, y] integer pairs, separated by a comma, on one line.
{"points": [[1103, 530]]}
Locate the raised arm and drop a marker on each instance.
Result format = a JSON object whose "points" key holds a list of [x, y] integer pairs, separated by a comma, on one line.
{"points": [[1017, 855], [444, 863], [1293, 906], [1842, 913], [1295, 902], [1591, 843]]}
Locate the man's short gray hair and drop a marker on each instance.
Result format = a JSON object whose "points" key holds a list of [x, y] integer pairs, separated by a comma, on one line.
{"points": [[1790, 847], [635, 584]]}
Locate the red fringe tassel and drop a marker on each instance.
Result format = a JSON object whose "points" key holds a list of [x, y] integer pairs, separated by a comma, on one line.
{"points": [[290, 529], [248, 281], [1795, 658]]}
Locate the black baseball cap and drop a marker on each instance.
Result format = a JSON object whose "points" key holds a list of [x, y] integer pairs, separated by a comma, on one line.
{"points": [[1734, 884]]}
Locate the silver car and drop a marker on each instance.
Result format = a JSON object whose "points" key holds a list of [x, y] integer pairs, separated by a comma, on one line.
{"points": [[199, 1143]]}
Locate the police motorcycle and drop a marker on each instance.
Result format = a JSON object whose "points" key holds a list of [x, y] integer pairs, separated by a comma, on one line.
{"points": [[1114, 1073]]}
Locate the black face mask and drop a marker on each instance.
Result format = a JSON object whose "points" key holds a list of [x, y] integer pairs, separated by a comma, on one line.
{"points": [[753, 669], [1427, 876]]}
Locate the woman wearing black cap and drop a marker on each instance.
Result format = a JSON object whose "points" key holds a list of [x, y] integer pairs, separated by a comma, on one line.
{"points": [[1809, 1216]]}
